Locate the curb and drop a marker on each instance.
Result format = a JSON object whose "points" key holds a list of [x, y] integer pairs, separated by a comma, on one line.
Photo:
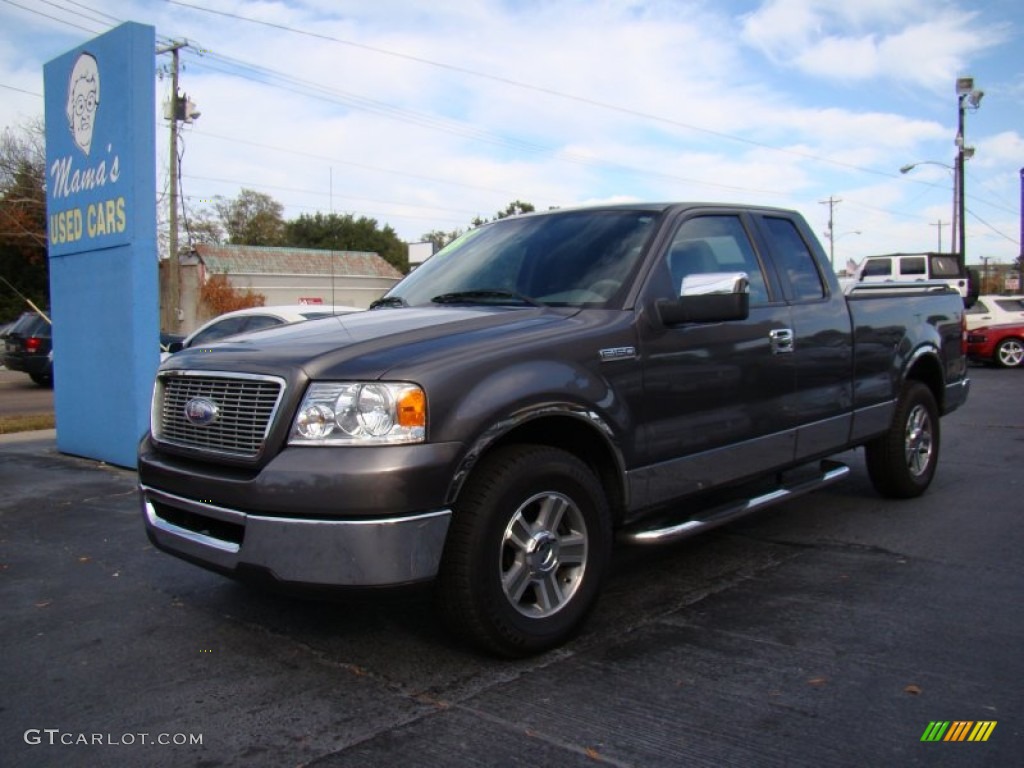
{"points": [[35, 435]]}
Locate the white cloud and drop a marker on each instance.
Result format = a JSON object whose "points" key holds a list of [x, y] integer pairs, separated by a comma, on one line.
{"points": [[915, 43], [778, 106]]}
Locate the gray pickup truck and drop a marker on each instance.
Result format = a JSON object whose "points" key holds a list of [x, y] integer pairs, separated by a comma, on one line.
{"points": [[542, 386]]}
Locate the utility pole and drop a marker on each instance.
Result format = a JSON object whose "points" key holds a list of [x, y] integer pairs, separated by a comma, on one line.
{"points": [[831, 232], [939, 225], [1020, 258], [169, 318]]}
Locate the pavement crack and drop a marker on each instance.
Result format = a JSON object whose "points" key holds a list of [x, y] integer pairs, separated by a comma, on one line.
{"points": [[547, 738]]}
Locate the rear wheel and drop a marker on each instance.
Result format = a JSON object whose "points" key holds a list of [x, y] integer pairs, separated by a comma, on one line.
{"points": [[527, 551], [901, 463], [1010, 353]]}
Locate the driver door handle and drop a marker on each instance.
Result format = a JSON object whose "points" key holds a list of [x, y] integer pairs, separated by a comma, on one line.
{"points": [[781, 340]]}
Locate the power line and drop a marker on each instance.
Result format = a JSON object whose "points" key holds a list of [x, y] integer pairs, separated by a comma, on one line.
{"points": [[314, 90], [363, 166], [443, 124], [52, 18], [536, 88], [113, 19], [21, 90], [60, 7], [322, 193]]}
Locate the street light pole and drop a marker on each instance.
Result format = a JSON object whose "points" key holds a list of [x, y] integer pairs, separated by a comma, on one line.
{"points": [[967, 154], [961, 204]]}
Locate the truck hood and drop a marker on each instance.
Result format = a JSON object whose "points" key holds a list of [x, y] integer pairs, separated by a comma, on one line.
{"points": [[361, 344]]}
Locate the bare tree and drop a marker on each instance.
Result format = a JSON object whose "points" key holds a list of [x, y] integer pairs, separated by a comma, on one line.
{"points": [[23, 262]]}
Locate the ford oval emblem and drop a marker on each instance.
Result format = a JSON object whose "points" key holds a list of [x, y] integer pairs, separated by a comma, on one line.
{"points": [[200, 412]]}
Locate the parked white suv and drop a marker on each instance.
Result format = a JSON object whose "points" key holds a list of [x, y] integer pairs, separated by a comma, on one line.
{"points": [[915, 267]]}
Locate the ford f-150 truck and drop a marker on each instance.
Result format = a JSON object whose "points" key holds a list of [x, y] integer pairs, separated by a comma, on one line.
{"points": [[541, 386]]}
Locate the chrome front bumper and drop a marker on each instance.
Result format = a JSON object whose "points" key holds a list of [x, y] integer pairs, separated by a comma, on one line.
{"points": [[372, 552]]}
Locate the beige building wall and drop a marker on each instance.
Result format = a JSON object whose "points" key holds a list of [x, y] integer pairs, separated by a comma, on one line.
{"points": [[280, 286], [353, 291]]}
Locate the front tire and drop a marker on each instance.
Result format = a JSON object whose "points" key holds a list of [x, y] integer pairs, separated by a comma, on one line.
{"points": [[901, 463], [527, 551], [1009, 353]]}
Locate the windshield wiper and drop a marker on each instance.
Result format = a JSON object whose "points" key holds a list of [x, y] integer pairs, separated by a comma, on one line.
{"points": [[389, 301], [485, 297]]}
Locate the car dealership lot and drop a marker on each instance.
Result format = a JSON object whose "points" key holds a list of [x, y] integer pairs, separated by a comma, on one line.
{"points": [[829, 631]]}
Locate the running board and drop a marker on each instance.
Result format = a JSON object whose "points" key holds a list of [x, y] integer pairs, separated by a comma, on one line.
{"points": [[831, 472]]}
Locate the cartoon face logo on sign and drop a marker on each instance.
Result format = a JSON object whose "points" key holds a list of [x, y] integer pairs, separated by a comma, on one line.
{"points": [[83, 100]]}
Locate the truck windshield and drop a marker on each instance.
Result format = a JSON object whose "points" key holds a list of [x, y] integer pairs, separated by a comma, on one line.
{"points": [[561, 259]]}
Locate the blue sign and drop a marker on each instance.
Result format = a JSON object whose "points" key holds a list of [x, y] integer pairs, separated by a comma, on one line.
{"points": [[101, 229], [94, 126]]}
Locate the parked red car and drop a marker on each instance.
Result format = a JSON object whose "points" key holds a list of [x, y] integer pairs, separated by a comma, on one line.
{"points": [[1002, 345]]}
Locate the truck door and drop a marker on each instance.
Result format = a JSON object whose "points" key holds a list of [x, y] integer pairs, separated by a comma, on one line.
{"points": [[717, 396], [822, 337]]}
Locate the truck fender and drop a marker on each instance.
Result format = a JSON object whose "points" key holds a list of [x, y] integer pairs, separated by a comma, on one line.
{"points": [[924, 365], [520, 399]]}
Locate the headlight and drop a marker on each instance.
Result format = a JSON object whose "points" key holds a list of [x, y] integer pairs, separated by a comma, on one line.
{"points": [[360, 413]]}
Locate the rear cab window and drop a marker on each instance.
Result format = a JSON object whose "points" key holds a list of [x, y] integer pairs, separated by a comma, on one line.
{"points": [[794, 261]]}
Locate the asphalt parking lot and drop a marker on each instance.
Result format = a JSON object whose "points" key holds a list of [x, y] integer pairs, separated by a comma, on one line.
{"points": [[20, 395], [831, 631]]}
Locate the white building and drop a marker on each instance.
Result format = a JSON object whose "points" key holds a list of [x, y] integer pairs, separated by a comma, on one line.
{"points": [[284, 276]]}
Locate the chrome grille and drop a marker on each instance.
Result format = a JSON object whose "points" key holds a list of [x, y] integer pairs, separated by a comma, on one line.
{"points": [[246, 406]]}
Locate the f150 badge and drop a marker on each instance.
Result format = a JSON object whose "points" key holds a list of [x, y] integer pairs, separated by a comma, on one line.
{"points": [[618, 353]]}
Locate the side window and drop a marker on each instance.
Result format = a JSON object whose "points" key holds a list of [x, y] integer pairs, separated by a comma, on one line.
{"points": [[878, 268], [226, 327], [715, 244], [794, 259], [945, 266], [258, 322], [912, 265]]}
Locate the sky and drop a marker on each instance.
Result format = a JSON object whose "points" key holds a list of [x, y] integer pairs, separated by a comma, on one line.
{"points": [[424, 116]]}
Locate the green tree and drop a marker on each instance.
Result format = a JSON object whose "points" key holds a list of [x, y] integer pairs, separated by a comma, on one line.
{"points": [[515, 208], [440, 238], [204, 226], [23, 260], [345, 232], [252, 218]]}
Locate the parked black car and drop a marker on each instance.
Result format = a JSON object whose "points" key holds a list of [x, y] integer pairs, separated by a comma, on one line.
{"points": [[28, 347]]}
